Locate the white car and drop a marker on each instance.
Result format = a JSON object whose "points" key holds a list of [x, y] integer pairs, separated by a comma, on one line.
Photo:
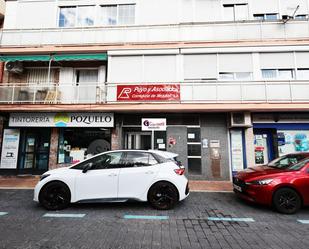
{"points": [[115, 176]]}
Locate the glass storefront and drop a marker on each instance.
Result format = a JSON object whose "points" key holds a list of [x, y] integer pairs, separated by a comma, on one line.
{"points": [[77, 144]]}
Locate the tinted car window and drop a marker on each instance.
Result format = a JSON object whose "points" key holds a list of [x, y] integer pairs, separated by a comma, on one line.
{"points": [[105, 161], [139, 159]]}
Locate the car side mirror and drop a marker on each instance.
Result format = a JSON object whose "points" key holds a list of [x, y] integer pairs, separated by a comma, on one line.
{"points": [[87, 167]]}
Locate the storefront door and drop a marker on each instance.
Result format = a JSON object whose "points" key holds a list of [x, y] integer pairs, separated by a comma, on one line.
{"points": [[263, 147], [138, 140], [34, 151]]}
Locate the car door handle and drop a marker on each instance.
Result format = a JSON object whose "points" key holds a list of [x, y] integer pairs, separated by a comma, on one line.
{"points": [[112, 174], [149, 172]]}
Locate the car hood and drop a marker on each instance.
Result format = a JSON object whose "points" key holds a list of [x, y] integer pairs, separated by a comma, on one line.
{"points": [[257, 171]]}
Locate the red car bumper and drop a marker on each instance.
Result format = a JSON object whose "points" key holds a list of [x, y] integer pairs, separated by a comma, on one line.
{"points": [[261, 194]]}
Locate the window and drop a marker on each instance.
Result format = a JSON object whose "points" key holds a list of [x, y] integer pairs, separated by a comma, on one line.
{"points": [[118, 14], [278, 74], [301, 17], [271, 16], [139, 159], [106, 161], [235, 12], [241, 76], [303, 73], [77, 144], [71, 16]]}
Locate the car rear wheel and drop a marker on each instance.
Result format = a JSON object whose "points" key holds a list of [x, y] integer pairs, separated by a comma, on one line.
{"points": [[287, 201], [55, 196], [163, 195]]}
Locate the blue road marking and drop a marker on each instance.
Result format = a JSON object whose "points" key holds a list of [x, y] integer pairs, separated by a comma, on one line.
{"points": [[51, 215], [146, 217], [3, 213], [230, 219], [303, 221]]}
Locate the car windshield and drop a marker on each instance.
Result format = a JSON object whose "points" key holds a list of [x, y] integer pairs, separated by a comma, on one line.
{"points": [[287, 161]]}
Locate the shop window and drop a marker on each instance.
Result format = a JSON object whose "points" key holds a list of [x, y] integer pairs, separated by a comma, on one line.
{"points": [[118, 14], [278, 74], [71, 16], [235, 12], [77, 144]]}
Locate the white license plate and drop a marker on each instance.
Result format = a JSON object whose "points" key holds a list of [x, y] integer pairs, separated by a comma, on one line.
{"points": [[237, 188]]}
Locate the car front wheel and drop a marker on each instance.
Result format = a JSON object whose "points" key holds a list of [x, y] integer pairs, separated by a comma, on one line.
{"points": [[163, 195], [55, 196], [287, 201]]}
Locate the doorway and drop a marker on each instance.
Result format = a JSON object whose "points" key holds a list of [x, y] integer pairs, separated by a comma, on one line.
{"points": [[86, 81], [34, 151], [138, 140]]}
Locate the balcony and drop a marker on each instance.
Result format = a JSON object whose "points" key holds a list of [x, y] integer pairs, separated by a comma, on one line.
{"points": [[194, 32], [190, 92], [52, 94], [234, 92]]}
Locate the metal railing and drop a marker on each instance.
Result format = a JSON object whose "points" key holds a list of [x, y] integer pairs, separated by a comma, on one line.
{"points": [[233, 91], [214, 31], [52, 94]]}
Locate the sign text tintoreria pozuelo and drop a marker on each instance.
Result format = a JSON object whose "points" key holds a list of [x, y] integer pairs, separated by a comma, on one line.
{"points": [[61, 120]]}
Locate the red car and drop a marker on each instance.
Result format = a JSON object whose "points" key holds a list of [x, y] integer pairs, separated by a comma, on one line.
{"points": [[283, 183]]}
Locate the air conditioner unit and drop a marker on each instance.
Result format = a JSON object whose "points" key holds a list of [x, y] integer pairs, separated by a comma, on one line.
{"points": [[241, 119], [14, 67]]}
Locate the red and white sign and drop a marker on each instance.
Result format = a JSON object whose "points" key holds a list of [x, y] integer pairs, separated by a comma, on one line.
{"points": [[153, 124], [162, 92]]}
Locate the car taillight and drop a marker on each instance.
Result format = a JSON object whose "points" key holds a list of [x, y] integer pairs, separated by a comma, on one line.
{"points": [[180, 171]]}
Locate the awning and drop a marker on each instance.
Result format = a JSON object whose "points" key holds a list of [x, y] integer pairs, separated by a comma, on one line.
{"points": [[80, 57], [24, 57]]}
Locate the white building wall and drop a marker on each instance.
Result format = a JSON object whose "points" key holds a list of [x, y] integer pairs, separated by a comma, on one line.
{"points": [[44, 14]]}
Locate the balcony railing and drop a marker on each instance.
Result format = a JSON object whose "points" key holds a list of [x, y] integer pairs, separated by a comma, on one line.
{"points": [[52, 94], [235, 92], [190, 92], [217, 31]]}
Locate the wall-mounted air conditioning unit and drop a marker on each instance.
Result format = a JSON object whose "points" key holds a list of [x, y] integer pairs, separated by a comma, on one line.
{"points": [[14, 67], [241, 119]]}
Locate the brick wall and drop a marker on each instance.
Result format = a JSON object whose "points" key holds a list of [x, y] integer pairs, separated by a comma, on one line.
{"points": [[53, 149]]}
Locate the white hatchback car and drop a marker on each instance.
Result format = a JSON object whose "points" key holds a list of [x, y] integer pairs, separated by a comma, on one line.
{"points": [[116, 176]]}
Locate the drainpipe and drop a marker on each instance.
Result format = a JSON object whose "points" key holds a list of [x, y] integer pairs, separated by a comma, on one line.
{"points": [[1, 71]]}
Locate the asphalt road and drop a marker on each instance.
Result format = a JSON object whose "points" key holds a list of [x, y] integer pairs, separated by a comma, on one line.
{"points": [[203, 220]]}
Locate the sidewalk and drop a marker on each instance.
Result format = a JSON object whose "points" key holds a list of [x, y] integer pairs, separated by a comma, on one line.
{"points": [[28, 182]]}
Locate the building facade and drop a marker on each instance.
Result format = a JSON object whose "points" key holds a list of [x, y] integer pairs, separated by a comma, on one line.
{"points": [[222, 83]]}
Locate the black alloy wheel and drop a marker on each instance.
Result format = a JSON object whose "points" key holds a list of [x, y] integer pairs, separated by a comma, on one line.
{"points": [[163, 195], [55, 196], [287, 201]]}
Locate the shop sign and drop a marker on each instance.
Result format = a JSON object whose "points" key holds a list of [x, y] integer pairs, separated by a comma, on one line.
{"points": [[153, 124], [61, 120], [162, 92], [9, 152]]}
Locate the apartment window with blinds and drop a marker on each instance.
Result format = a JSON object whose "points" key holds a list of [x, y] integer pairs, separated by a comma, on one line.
{"points": [[230, 76], [278, 74], [269, 16], [71, 16], [235, 12], [122, 14], [39, 76]]}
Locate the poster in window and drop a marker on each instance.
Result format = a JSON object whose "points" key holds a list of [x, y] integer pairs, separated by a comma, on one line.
{"points": [[290, 141], [237, 151], [9, 154]]}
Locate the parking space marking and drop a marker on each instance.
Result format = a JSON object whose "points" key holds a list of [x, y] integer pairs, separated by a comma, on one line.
{"points": [[303, 221], [146, 217], [231, 219], [3, 213], [51, 215]]}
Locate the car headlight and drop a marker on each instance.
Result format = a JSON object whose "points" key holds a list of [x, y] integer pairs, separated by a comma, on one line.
{"points": [[44, 176], [260, 182]]}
